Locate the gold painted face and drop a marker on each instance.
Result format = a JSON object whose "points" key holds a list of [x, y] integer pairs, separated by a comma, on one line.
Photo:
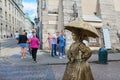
{"points": [[74, 36]]}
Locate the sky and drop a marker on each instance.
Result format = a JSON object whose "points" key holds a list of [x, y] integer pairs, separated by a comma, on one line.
{"points": [[30, 7]]}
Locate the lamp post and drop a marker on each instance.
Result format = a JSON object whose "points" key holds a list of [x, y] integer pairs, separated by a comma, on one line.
{"points": [[38, 30], [36, 27], [60, 16]]}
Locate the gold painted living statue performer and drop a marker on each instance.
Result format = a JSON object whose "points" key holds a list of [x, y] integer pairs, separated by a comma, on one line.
{"points": [[77, 67]]}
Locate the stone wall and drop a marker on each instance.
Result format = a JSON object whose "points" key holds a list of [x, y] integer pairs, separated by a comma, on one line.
{"points": [[110, 17]]}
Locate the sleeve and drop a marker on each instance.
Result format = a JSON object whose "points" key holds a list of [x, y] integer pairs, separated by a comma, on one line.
{"points": [[29, 40], [64, 42], [38, 41], [19, 39], [86, 52]]}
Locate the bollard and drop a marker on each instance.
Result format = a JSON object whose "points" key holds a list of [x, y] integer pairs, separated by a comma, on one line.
{"points": [[103, 56]]}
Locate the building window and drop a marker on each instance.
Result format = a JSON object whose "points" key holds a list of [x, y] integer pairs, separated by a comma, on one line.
{"points": [[52, 12], [52, 26], [13, 9], [5, 15], [43, 4], [53, 8], [9, 6], [5, 2], [0, 12], [13, 20], [10, 17]]}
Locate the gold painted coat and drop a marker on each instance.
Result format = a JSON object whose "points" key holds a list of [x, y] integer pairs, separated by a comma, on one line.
{"points": [[78, 68]]}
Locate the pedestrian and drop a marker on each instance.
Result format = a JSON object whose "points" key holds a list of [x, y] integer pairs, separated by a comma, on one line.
{"points": [[62, 44], [29, 35], [17, 35], [25, 32], [57, 46], [49, 39], [34, 44], [22, 43], [11, 35], [54, 42]]}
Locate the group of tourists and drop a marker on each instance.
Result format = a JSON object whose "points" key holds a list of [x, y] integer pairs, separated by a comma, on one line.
{"points": [[28, 43], [57, 43]]}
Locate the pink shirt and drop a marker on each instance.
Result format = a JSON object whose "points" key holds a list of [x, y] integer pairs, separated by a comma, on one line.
{"points": [[34, 42], [50, 39]]}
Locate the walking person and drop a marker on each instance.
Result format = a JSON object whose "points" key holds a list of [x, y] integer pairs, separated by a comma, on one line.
{"points": [[17, 35], [29, 35], [62, 44], [22, 40], [34, 44]]}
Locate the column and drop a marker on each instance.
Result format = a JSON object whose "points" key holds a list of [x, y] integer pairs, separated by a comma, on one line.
{"points": [[60, 16]]}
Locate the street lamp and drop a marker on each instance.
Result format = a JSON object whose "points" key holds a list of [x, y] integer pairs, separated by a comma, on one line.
{"points": [[38, 30], [36, 27]]}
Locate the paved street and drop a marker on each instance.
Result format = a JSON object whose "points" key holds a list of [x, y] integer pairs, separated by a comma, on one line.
{"points": [[7, 43], [49, 68], [11, 71]]}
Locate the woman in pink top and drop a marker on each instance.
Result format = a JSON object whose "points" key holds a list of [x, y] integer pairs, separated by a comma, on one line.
{"points": [[34, 44], [49, 39]]}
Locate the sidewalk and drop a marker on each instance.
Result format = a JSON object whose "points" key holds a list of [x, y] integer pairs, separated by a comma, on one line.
{"points": [[43, 57]]}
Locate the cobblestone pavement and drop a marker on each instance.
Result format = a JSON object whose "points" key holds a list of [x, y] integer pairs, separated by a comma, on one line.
{"points": [[10, 71], [12, 67], [34, 71]]}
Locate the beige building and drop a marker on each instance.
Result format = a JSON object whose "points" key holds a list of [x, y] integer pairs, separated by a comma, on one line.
{"points": [[102, 14], [29, 25], [11, 17]]}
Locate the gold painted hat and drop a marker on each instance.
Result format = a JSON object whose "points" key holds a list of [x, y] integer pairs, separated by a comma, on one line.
{"points": [[83, 27]]}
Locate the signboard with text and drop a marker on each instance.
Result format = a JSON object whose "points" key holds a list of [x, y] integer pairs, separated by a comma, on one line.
{"points": [[106, 35]]}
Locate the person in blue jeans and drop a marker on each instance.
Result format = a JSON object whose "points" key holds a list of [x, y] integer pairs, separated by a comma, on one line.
{"points": [[62, 44], [54, 42]]}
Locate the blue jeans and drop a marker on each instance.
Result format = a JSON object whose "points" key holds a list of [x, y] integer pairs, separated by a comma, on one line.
{"points": [[53, 53], [28, 49], [61, 50]]}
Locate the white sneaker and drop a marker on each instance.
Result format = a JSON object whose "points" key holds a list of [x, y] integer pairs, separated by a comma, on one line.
{"points": [[57, 53], [60, 58], [64, 56]]}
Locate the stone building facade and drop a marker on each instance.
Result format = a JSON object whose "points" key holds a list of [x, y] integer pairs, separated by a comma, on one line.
{"points": [[11, 17], [102, 14]]}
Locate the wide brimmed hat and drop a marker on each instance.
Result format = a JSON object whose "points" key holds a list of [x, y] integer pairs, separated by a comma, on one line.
{"points": [[83, 27]]}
